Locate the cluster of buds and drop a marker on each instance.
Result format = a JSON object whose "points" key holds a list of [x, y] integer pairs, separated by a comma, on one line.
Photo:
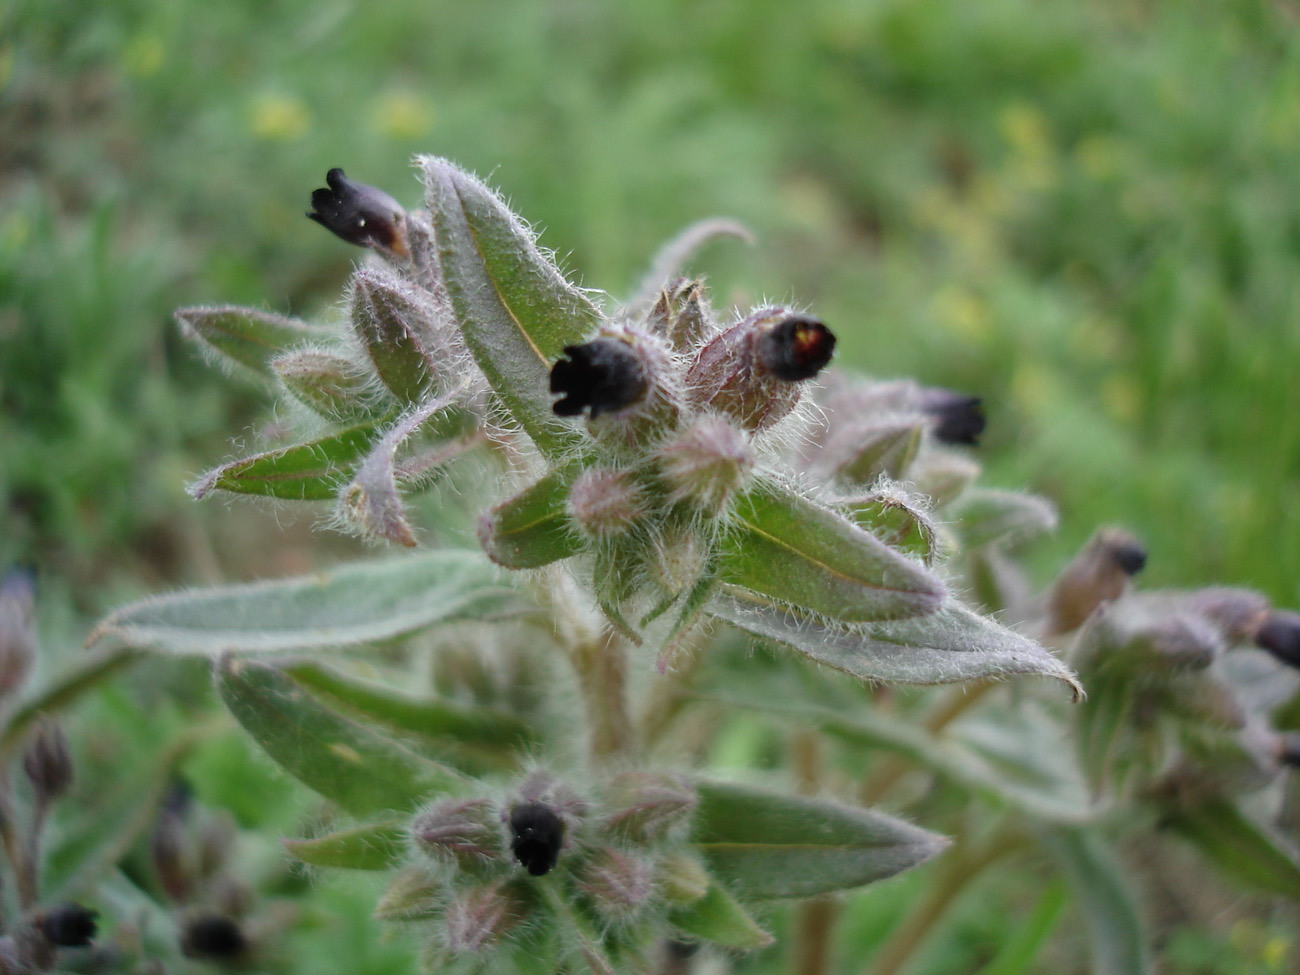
{"points": [[1176, 706], [490, 871], [33, 942], [191, 851], [687, 464]]}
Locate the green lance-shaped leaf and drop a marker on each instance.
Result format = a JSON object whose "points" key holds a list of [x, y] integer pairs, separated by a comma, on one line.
{"points": [[1013, 761], [885, 447], [898, 522], [361, 602], [984, 517], [532, 528], [245, 337], [765, 844], [328, 384], [394, 322], [946, 647], [374, 846], [425, 716], [515, 309], [1103, 726], [1236, 845], [787, 547], [312, 471], [718, 917], [1117, 943], [358, 768]]}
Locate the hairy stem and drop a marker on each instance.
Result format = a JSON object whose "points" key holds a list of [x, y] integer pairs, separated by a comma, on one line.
{"points": [[949, 708], [814, 918], [601, 664]]}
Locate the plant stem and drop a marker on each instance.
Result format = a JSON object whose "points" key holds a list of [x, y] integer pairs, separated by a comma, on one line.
{"points": [[949, 708], [958, 868], [814, 918], [601, 664]]}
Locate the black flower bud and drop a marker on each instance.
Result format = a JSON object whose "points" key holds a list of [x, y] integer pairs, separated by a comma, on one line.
{"points": [[1288, 749], [1279, 634], [795, 349], [47, 762], [605, 375], [360, 214], [537, 835], [956, 419], [212, 936], [68, 925]]}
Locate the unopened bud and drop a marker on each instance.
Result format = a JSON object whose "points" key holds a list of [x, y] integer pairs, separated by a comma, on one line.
{"points": [[751, 372], [682, 878], [47, 762], [68, 925], [678, 558], [463, 832], [360, 214], [606, 503], [619, 884], [603, 376], [537, 835], [213, 936], [1239, 613], [480, 919], [1279, 634], [17, 630], [943, 475], [413, 894], [706, 465], [171, 852], [1098, 574], [1182, 642], [887, 446], [649, 806], [955, 418]]}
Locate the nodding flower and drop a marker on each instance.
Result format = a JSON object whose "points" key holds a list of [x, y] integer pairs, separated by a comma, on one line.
{"points": [[956, 418], [604, 376], [360, 214], [537, 834]]}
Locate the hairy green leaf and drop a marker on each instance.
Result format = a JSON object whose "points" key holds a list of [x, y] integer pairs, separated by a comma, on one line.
{"points": [[425, 716], [374, 846], [516, 310], [718, 917], [246, 337], [361, 770], [312, 471], [360, 602], [984, 516], [787, 547], [767, 845], [946, 647]]}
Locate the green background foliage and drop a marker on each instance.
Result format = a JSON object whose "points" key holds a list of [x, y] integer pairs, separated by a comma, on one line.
{"points": [[1088, 213]]}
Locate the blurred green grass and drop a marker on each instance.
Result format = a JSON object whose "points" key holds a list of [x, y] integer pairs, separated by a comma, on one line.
{"points": [[1088, 213]]}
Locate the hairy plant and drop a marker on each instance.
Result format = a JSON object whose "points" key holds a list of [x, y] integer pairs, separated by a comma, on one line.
{"points": [[615, 505]]}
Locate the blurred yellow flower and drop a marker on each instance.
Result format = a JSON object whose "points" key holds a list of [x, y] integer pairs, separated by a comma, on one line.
{"points": [[962, 312], [1122, 397], [403, 114], [279, 117], [144, 55]]}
